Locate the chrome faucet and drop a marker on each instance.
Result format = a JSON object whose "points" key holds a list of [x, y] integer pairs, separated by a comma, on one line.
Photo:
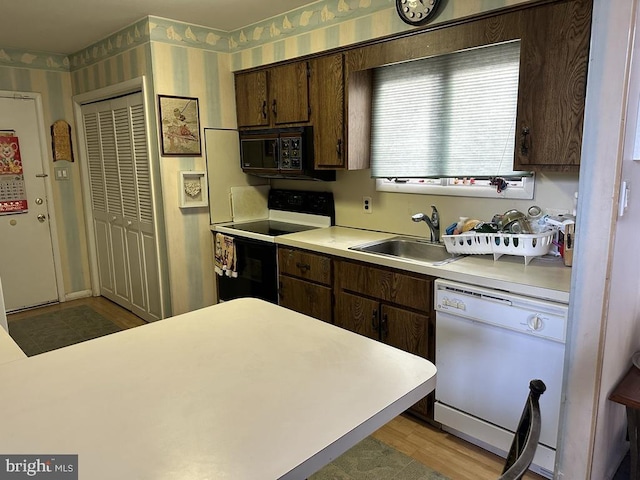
{"points": [[433, 222]]}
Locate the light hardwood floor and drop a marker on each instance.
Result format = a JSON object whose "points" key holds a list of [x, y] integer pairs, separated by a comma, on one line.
{"points": [[445, 453]]}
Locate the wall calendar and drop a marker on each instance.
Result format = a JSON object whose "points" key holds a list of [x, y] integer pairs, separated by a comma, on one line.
{"points": [[13, 195]]}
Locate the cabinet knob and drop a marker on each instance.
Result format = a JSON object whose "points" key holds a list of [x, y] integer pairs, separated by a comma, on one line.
{"points": [[374, 320], [385, 325], [274, 108], [264, 109], [305, 267], [339, 147]]}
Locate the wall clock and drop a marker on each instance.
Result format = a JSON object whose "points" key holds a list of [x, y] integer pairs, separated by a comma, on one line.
{"points": [[416, 12]]}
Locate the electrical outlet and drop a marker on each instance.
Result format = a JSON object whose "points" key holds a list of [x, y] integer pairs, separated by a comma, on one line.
{"points": [[367, 206]]}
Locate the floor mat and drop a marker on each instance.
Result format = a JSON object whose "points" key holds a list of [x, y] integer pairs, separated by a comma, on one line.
{"points": [[61, 328], [372, 459]]}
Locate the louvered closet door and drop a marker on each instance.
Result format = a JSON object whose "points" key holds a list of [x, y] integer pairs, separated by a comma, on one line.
{"points": [[112, 177], [146, 225], [123, 221], [101, 226]]}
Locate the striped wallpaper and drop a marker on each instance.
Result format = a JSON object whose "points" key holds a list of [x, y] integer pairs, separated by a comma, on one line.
{"points": [[190, 60]]}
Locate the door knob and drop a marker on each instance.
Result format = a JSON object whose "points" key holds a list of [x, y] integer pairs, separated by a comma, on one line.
{"points": [[41, 218]]}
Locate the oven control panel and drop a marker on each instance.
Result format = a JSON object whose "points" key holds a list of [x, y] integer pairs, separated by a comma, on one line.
{"points": [[498, 308], [301, 201]]}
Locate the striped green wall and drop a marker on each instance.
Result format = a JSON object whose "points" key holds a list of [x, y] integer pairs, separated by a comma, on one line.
{"points": [[206, 75], [188, 60]]}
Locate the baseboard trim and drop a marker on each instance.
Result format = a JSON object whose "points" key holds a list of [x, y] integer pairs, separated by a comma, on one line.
{"points": [[77, 295]]}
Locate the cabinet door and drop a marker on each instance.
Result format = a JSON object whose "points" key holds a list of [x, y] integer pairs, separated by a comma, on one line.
{"points": [[405, 330], [251, 99], [553, 74], [289, 87], [357, 314], [327, 111], [304, 297], [409, 332]]}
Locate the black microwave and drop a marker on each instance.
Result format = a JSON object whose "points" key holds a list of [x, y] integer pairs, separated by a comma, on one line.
{"points": [[281, 153]]}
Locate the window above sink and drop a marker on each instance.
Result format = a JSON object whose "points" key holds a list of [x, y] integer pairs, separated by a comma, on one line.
{"points": [[445, 125]]}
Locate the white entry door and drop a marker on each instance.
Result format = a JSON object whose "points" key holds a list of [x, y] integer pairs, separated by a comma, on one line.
{"points": [[27, 265]]}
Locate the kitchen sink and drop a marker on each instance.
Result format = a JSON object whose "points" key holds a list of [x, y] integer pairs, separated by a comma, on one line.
{"points": [[409, 249]]}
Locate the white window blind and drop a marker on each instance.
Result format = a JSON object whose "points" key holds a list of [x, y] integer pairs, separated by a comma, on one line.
{"points": [[447, 116]]}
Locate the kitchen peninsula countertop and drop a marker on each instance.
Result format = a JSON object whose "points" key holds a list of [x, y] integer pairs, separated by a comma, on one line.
{"points": [[240, 390], [546, 278]]}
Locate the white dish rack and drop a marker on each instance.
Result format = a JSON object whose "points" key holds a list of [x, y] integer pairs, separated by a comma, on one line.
{"points": [[527, 245]]}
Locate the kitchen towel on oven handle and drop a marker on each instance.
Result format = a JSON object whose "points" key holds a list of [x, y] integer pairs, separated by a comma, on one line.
{"points": [[225, 256]]}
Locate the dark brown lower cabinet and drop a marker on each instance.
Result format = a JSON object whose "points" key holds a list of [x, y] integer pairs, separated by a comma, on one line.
{"points": [[384, 304], [402, 326], [305, 283]]}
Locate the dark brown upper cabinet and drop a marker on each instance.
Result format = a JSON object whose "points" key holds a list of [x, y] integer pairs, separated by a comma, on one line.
{"points": [[277, 96], [551, 96], [327, 111], [337, 143], [332, 92]]}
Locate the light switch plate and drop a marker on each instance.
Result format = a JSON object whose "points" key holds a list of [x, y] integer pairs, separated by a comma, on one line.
{"points": [[61, 173]]}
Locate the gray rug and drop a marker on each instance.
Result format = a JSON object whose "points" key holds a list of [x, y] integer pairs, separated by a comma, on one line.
{"points": [[372, 459], [59, 328]]}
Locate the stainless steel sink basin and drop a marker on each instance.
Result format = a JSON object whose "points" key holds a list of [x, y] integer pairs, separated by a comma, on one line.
{"points": [[408, 248]]}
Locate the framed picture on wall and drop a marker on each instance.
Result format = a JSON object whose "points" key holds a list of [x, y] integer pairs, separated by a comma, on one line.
{"points": [[193, 189], [179, 126]]}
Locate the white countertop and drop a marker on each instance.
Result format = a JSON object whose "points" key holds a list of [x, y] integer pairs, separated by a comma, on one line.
{"points": [[546, 278], [9, 350], [240, 390]]}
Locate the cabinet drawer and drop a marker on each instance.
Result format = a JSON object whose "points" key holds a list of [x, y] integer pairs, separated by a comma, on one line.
{"points": [[306, 265], [304, 297], [388, 285]]}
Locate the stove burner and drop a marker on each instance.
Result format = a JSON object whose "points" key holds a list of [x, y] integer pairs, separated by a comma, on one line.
{"points": [[270, 227]]}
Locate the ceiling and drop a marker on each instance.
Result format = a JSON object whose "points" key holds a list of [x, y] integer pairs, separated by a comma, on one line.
{"points": [[68, 26]]}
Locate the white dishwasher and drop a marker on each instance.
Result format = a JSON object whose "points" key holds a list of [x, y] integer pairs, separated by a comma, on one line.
{"points": [[489, 345]]}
